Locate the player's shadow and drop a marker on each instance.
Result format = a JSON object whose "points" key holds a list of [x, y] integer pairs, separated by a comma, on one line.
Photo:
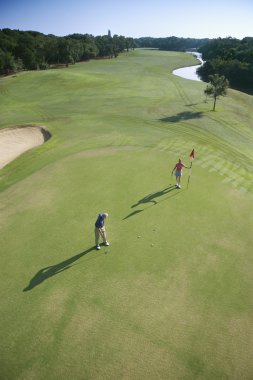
{"points": [[151, 198], [47, 272]]}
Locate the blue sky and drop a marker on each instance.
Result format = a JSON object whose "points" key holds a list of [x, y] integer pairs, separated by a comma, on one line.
{"points": [[131, 18]]}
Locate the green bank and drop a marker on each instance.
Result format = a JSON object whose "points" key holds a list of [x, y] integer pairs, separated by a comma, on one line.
{"points": [[171, 297]]}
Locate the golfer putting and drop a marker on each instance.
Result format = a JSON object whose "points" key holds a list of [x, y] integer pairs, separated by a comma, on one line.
{"points": [[100, 230], [178, 172]]}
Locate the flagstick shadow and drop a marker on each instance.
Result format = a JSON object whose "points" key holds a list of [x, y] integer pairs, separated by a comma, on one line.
{"points": [[47, 272], [152, 198], [172, 196]]}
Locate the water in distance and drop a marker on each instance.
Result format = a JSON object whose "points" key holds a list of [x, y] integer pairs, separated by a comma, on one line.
{"points": [[190, 72]]}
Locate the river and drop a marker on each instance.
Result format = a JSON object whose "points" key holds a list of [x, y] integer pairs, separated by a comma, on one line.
{"points": [[190, 72]]}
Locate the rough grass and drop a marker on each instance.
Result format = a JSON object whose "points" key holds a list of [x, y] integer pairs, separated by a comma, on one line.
{"points": [[171, 297]]}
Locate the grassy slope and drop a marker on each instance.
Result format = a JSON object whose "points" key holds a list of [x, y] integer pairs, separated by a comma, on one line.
{"points": [[172, 295]]}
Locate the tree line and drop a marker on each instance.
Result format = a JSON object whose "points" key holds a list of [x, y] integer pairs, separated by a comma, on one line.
{"points": [[31, 50], [171, 43], [231, 58]]}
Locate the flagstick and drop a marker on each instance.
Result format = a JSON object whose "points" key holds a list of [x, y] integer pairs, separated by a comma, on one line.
{"points": [[192, 157], [189, 176]]}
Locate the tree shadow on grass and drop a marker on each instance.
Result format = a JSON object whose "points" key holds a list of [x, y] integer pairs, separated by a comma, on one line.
{"points": [[187, 115], [193, 104], [47, 272], [152, 198]]}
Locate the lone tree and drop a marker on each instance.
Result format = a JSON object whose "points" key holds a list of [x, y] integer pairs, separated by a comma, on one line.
{"points": [[217, 87]]}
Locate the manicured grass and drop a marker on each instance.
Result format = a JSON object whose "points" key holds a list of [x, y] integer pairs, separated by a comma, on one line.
{"points": [[171, 297]]}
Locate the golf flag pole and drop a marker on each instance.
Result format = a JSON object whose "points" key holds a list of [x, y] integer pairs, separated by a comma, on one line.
{"points": [[192, 155]]}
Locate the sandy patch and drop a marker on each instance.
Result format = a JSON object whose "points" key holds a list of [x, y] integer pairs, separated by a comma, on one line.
{"points": [[15, 141]]}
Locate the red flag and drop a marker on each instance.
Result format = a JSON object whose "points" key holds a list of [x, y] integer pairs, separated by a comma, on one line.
{"points": [[192, 153]]}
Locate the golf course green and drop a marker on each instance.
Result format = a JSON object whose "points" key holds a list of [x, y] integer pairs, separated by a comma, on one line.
{"points": [[172, 296]]}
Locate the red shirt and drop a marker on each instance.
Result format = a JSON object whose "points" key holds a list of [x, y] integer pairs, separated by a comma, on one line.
{"points": [[180, 166]]}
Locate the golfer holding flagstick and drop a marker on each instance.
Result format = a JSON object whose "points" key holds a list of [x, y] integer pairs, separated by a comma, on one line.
{"points": [[178, 173], [100, 230]]}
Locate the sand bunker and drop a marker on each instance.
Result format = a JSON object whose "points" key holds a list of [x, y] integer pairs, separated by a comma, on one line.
{"points": [[15, 141]]}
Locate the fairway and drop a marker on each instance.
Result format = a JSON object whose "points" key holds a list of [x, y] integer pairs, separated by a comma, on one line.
{"points": [[172, 296]]}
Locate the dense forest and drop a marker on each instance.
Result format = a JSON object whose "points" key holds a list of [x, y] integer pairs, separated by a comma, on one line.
{"points": [[171, 43], [230, 57], [29, 50]]}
